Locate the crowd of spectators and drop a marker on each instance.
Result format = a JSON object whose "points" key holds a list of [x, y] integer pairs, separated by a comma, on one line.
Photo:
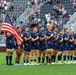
{"points": [[6, 5], [30, 3], [59, 11], [35, 19]]}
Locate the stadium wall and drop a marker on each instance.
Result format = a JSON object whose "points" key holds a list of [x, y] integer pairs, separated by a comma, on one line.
{"points": [[2, 43], [2, 49]]}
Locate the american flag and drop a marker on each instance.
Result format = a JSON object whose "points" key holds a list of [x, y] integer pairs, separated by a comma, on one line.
{"points": [[7, 26]]}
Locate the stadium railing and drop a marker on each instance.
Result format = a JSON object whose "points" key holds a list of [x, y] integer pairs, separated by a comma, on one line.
{"points": [[25, 16], [71, 23]]}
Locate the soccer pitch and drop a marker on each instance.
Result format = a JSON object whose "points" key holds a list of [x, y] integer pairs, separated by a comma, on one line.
{"points": [[62, 69]]}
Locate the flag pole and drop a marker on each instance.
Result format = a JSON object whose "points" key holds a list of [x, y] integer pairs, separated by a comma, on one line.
{"points": [[1, 26], [5, 13]]}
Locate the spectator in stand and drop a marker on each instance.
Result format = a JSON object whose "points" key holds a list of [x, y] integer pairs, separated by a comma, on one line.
{"points": [[43, 23], [71, 1], [52, 21], [8, 5], [36, 2], [74, 1], [29, 3], [60, 27], [23, 29], [60, 20], [56, 9], [6, 8], [21, 8], [39, 12], [14, 18], [32, 2], [2, 3], [58, 1], [33, 23], [39, 20], [35, 19], [64, 12], [60, 5], [49, 1], [2, 16], [12, 5], [47, 16], [36, 11], [69, 14], [0, 6]]}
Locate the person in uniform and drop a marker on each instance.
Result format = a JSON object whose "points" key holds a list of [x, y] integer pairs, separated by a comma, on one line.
{"points": [[60, 47], [66, 43], [71, 46], [50, 45], [9, 48], [42, 44], [55, 30], [34, 45], [27, 46], [18, 48]]}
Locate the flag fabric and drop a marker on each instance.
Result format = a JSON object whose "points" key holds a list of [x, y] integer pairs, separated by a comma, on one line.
{"points": [[7, 26]]}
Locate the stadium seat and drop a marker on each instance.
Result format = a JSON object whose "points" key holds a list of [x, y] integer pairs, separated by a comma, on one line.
{"points": [[47, 8], [16, 7]]}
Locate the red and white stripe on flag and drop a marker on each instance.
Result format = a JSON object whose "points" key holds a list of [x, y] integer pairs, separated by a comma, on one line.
{"points": [[6, 27]]}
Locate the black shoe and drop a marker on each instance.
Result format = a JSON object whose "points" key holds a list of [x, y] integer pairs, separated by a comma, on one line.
{"points": [[7, 64], [11, 64]]}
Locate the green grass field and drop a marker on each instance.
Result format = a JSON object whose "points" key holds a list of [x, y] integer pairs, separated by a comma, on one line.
{"points": [[64, 69]]}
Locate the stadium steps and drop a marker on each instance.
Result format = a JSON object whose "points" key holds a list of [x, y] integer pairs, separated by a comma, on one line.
{"points": [[16, 8], [25, 16]]}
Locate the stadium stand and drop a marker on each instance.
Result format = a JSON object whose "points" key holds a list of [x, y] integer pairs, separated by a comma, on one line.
{"points": [[25, 16], [16, 11], [47, 8], [71, 23]]}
